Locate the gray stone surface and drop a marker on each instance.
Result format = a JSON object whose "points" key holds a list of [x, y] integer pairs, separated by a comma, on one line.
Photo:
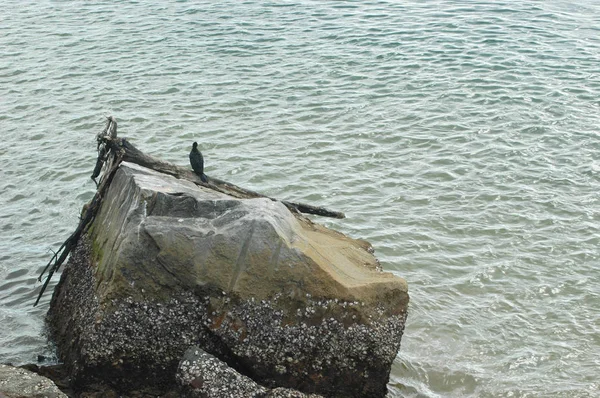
{"points": [[21, 383], [160, 231], [281, 392], [203, 375], [168, 264]]}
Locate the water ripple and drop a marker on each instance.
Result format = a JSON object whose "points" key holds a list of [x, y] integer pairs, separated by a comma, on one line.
{"points": [[460, 139]]}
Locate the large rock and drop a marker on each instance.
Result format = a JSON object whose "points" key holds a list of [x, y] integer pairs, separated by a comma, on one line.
{"points": [[168, 264], [21, 383]]}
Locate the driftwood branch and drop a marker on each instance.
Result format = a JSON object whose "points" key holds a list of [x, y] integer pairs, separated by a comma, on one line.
{"points": [[134, 155], [91, 209], [111, 152]]}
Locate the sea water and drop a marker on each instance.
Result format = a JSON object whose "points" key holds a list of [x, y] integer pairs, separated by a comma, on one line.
{"points": [[461, 138]]}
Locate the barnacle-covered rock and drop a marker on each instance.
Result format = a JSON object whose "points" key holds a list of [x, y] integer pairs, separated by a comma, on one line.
{"points": [[203, 375], [167, 264], [21, 383]]}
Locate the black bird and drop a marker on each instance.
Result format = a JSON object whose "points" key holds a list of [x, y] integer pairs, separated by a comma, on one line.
{"points": [[197, 162]]}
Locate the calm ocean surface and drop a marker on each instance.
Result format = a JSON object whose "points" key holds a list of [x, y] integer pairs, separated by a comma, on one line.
{"points": [[462, 139]]}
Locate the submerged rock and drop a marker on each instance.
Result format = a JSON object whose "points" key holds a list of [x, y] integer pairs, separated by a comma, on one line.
{"points": [[21, 383], [167, 264]]}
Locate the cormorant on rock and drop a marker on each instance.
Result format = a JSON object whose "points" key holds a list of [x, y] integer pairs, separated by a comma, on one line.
{"points": [[197, 162]]}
